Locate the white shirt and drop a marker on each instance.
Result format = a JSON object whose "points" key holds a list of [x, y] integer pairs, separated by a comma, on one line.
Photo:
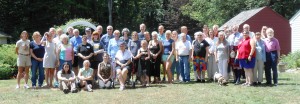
{"points": [[235, 39], [183, 48], [23, 46], [126, 55], [212, 44]]}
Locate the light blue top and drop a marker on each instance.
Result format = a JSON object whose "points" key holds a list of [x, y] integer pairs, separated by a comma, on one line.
{"points": [[161, 37], [75, 42], [260, 50], [222, 51], [141, 36], [105, 40], [86, 73], [113, 47]]}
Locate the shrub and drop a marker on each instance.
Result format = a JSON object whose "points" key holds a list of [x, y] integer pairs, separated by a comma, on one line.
{"points": [[292, 59], [8, 62]]}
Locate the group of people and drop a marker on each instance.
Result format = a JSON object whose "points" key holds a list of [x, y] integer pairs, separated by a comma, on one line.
{"points": [[76, 61]]}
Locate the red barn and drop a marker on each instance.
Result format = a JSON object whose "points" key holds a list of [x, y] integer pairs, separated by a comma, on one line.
{"points": [[265, 16]]}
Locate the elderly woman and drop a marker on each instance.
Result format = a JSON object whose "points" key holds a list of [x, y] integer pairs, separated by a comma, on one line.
{"points": [[246, 57], [23, 61], [85, 76], [67, 78], [85, 51], [133, 46], [212, 66], [167, 57], [125, 37], [175, 64], [222, 55], [155, 47], [105, 72], [65, 52], [143, 66], [272, 57], [123, 59], [199, 56], [37, 51], [264, 32], [98, 50], [50, 60], [260, 59]]}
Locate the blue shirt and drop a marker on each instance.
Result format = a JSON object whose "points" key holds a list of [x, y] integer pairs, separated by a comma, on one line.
{"points": [[105, 40], [167, 46], [38, 50], [113, 47], [75, 42], [161, 37], [187, 37], [134, 46], [141, 36], [260, 50]]}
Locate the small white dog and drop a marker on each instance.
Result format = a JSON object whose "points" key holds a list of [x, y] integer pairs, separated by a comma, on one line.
{"points": [[221, 80]]}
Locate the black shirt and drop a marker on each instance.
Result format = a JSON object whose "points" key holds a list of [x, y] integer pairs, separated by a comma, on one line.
{"points": [[200, 48]]}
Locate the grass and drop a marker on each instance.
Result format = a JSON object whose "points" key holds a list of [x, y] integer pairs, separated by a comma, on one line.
{"points": [[288, 92]]}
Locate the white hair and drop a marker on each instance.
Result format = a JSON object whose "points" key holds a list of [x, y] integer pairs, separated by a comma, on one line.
{"points": [[154, 33]]}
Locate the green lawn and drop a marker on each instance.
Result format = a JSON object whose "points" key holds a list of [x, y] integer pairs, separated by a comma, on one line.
{"points": [[288, 92]]}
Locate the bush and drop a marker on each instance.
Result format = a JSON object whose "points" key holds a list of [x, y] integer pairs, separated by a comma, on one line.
{"points": [[8, 62], [292, 59]]}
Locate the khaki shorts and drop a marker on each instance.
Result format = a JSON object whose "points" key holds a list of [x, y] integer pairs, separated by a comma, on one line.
{"points": [[23, 60]]}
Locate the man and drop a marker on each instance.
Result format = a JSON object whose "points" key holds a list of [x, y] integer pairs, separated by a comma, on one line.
{"points": [[99, 29], [216, 30], [183, 53], [75, 40], [233, 40], [161, 34], [141, 34], [70, 32], [88, 32], [184, 30], [106, 37], [246, 28]]}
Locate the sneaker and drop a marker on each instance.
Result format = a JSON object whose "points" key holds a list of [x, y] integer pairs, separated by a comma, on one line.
{"points": [[56, 84], [74, 91], [122, 88], [65, 91], [33, 87], [26, 86], [17, 87], [89, 89]]}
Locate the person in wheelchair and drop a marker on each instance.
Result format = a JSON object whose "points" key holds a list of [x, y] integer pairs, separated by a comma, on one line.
{"points": [[105, 73], [123, 60]]}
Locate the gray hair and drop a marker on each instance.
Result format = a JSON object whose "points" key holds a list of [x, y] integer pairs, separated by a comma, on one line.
{"points": [[125, 30]]}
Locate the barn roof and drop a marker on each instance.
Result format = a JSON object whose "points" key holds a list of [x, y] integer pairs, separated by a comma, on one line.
{"points": [[242, 17], [294, 17], [3, 35]]}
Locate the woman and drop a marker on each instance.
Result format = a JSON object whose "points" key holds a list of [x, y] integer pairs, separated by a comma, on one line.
{"points": [[98, 51], [85, 51], [272, 57], [222, 55], [143, 68], [199, 56], [175, 64], [125, 37], [133, 46], [23, 61], [85, 76], [260, 59], [50, 60], [65, 52], [105, 73], [37, 51], [155, 47], [264, 32], [67, 78], [168, 52], [246, 57], [123, 60], [212, 66]]}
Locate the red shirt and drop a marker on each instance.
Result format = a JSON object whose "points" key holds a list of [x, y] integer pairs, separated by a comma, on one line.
{"points": [[244, 49]]}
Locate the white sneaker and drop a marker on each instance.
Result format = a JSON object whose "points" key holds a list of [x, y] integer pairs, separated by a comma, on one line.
{"points": [[89, 89], [122, 88], [26, 86], [17, 87]]}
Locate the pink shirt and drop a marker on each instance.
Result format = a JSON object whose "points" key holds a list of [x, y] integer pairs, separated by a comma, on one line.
{"points": [[272, 44]]}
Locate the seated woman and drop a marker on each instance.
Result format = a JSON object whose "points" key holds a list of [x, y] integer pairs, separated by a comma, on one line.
{"points": [[67, 79], [144, 62], [105, 72], [85, 76], [123, 59]]}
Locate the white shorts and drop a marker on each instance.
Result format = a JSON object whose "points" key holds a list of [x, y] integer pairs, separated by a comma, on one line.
{"points": [[23, 60]]}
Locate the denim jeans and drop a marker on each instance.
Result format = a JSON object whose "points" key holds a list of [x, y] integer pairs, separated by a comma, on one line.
{"points": [[37, 65], [175, 65], [271, 63], [184, 67]]}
